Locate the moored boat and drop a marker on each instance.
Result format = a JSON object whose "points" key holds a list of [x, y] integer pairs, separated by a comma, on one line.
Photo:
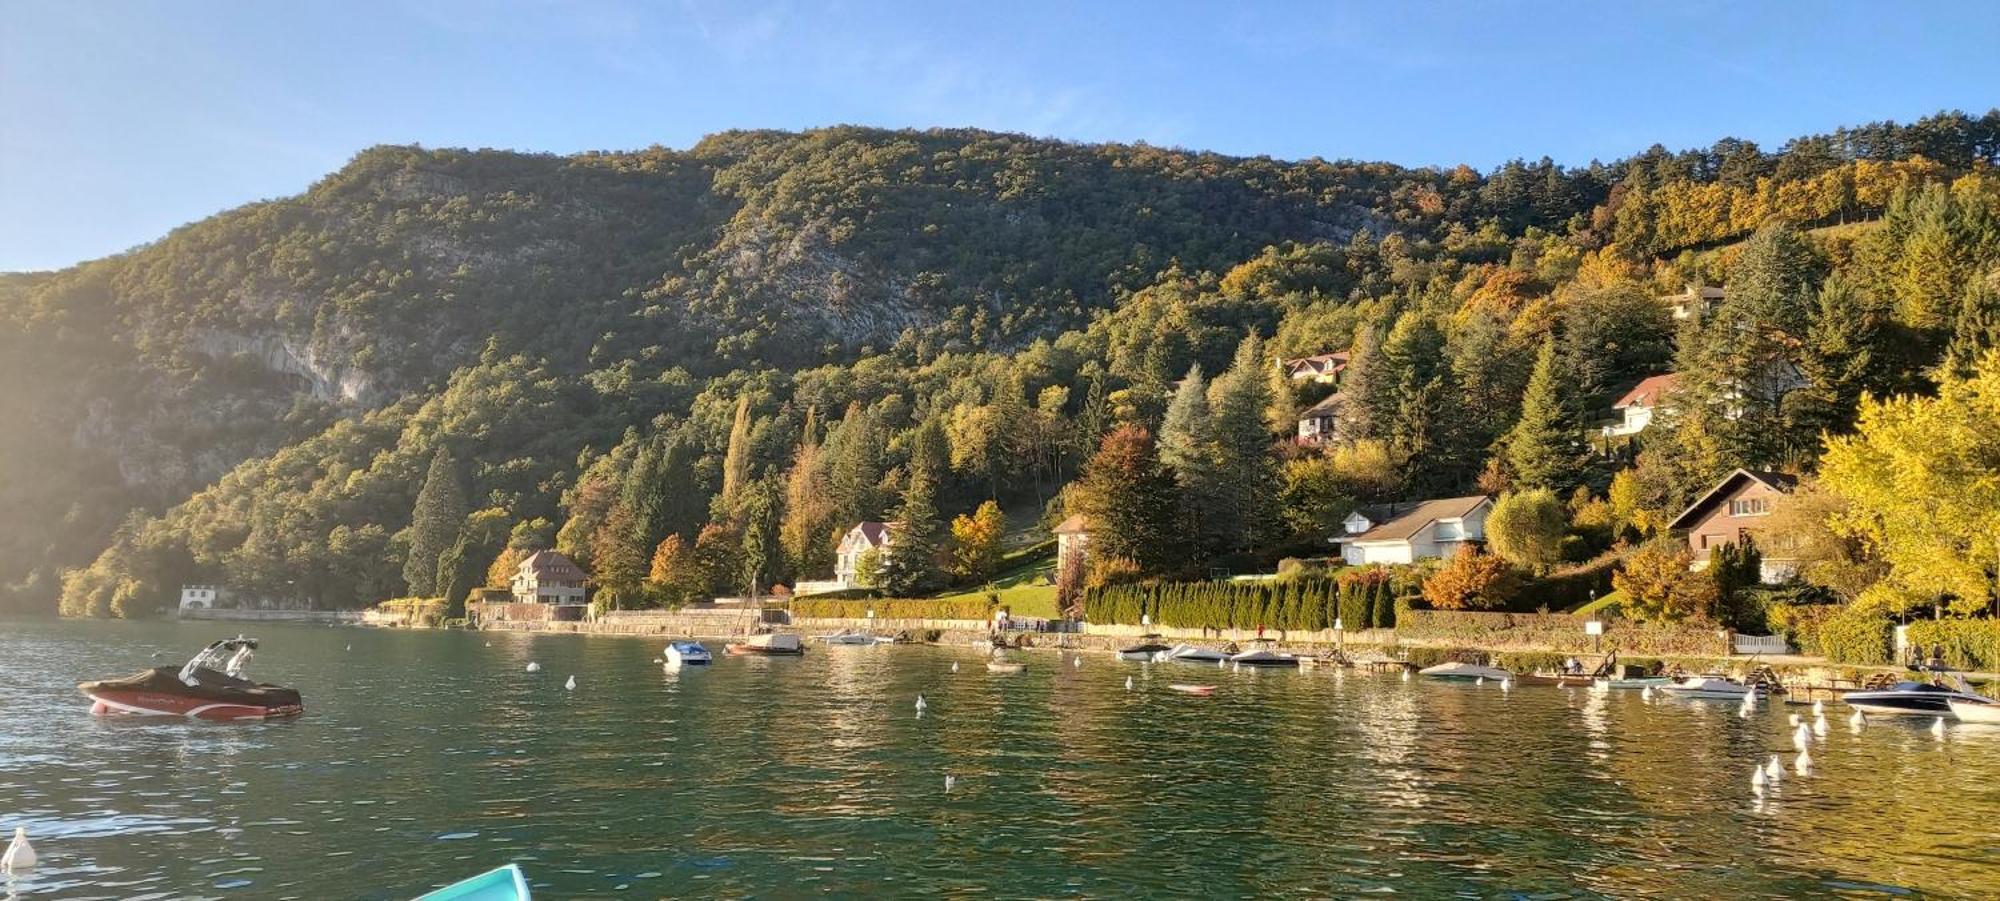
{"points": [[211, 686], [1460, 671], [1265, 654], [1975, 712], [1148, 648], [769, 644], [845, 636], [1914, 699], [1189, 689], [1187, 653], [1005, 666], [502, 884], [687, 653], [1710, 688], [1567, 680], [1636, 684]]}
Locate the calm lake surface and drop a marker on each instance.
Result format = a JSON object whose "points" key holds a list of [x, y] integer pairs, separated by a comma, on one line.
{"points": [[425, 757]]}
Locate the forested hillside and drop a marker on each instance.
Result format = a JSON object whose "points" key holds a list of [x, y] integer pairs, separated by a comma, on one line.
{"points": [[688, 369]]}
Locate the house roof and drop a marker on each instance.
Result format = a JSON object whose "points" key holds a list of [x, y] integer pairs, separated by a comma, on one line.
{"points": [[1413, 518], [1328, 407], [550, 564], [1318, 363], [1074, 525], [1706, 292], [1776, 481], [1649, 391], [875, 533]]}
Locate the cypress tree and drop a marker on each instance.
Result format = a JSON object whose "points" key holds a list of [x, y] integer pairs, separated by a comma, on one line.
{"points": [[435, 523]]}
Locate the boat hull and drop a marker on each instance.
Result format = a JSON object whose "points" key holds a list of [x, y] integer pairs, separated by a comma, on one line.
{"points": [[144, 703], [504, 884], [1975, 712], [1632, 684], [749, 650], [999, 667]]}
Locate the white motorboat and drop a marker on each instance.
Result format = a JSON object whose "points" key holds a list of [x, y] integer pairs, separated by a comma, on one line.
{"points": [[1915, 699], [687, 653], [846, 636], [1264, 654], [1975, 711], [1460, 671], [1710, 688], [1148, 648], [1187, 653], [1639, 684]]}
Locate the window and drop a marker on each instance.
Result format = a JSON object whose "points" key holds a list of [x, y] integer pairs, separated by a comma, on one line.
{"points": [[1750, 506]]}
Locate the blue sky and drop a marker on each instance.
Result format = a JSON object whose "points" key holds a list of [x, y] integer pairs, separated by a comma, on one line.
{"points": [[121, 120]]}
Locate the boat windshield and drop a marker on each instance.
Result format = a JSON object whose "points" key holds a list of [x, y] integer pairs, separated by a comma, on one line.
{"points": [[227, 656]]}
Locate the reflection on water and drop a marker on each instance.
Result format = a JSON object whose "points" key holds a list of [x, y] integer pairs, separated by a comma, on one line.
{"points": [[424, 757]]}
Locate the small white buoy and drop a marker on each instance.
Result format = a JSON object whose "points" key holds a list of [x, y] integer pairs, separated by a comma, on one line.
{"points": [[1801, 738], [1819, 726], [1773, 771], [1506, 685], [1479, 681], [534, 667], [350, 647], [1076, 662], [571, 684], [1646, 693], [954, 666], [920, 703], [1937, 729], [1793, 720], [1406, 674], [949, 781], [1804, 763], [1128, 683], [1856, 721], [1819, 708], [1222, 664], [20, 855], [1757, 779]]}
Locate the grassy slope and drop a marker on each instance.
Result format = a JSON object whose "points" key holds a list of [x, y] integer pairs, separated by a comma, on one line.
{"points": [[1026, 583]]}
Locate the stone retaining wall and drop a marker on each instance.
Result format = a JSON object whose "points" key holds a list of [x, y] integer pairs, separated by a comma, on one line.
{"points": [[272, 616]]}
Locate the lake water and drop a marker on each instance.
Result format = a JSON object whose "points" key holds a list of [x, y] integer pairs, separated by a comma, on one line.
{"points": [[424, 757]]}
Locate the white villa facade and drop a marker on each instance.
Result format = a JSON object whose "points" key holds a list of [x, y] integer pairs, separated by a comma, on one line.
{"points": [[856, 544], [547, 577], [1397, 534]]}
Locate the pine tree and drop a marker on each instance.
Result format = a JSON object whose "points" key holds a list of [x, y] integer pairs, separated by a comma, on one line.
{"points": [[910, 568], [1976, 329], [435, 523], [1545, 448], [1368, 388], [1243, 510]]}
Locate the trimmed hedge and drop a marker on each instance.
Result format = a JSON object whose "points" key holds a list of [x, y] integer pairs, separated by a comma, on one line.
{"points": [[1852, 636], [1361, 599], [1968, 643], [967, 608]]}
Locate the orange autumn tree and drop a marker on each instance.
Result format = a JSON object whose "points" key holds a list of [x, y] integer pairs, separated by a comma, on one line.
{"points": [[1472, 581]]}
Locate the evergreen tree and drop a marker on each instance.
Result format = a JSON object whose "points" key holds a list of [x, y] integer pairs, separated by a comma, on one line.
{"points": [[1244, 507], [435, 522], [1369, 388], [1838, 362], [622, 561], [910, 568], [1545, 449], [1128, 497], [854, 467], [736, 461], [1976, 329], [758, 510]]}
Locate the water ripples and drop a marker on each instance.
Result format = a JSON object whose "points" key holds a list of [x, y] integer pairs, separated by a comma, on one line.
{"points": [[425, 757]]}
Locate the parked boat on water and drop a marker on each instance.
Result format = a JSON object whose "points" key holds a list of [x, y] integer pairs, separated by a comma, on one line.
{"points": [[1005, 666], [1148, 648], [1635, 684], [687, 653], [1710, 688], [211, 686], [1460, 671], [1915, 699], [1188, 689], [502, 884], [1187, 653], [1265, 654], [846, 636], [769, 644], [1976, 712]]}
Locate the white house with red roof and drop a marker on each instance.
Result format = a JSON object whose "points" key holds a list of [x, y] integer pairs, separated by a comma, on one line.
{"points": [[1322, 368], [1637, 406], [547, 577]]}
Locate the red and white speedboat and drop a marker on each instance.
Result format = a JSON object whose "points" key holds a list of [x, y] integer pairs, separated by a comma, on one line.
{"points": [[209, 687]]}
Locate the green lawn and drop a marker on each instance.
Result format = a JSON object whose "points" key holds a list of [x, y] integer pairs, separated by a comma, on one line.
{"points": [[1026, 590]]}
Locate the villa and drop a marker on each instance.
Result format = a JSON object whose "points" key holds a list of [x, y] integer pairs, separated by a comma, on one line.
{"points": [[1407, 532]]}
